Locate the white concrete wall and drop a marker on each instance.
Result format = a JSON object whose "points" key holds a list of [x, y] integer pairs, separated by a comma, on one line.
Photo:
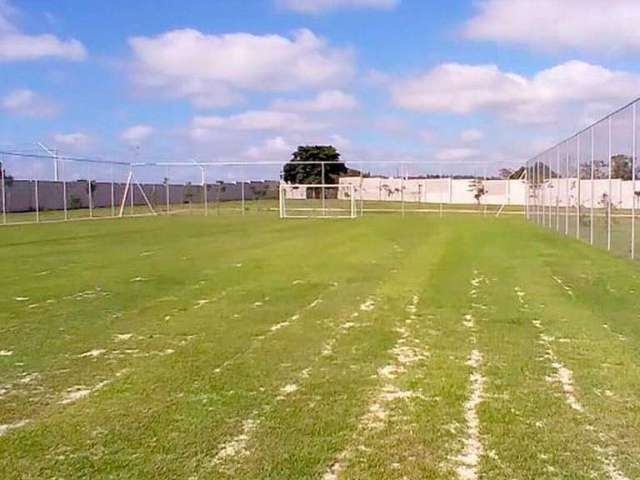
{"points": [[437, 190], [564, 191]]}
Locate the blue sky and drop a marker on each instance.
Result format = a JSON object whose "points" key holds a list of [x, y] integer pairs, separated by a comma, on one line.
{"points": [[251, 79]]}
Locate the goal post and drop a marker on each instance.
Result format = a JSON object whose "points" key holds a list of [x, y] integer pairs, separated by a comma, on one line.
{"points": [[317, 201]]}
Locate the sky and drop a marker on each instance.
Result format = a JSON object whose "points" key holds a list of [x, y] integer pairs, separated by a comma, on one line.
{"points": [[435, 80]]}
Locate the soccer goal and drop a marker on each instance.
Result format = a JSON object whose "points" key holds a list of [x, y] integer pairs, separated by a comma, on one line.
{"points": [[317, 201]]}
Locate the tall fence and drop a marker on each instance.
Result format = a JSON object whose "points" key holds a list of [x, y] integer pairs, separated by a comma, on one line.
{"points": [[585, 186], [47, 186]]}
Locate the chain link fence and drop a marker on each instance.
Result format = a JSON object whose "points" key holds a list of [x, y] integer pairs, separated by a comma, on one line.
{"points": [[51, 187], [585, 186]]}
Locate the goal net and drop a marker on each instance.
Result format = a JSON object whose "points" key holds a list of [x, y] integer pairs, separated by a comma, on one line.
{"points": [[317, 201]]}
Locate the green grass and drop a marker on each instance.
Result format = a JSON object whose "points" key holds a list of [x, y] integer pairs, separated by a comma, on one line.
{"points": [[255, 348]]}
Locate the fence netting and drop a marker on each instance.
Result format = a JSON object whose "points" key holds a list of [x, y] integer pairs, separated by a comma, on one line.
{"points": [[585, 186], [42, 187]]}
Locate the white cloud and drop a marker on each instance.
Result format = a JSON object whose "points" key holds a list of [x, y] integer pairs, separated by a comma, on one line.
{"points": [[461, 89], [317, 6], [75, 139], [462, 153], [276, 148], [136, 134], [29, 103], [556, 24], [253, 120], [214, 70], [327, 101], [471, 135], [16, 45]]}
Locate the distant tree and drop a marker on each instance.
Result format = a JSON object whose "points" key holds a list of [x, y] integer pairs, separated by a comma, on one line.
{"points": [[476, 186], [188, 193], [8, 179], [505, 173], [296, 171], [621, 167]]}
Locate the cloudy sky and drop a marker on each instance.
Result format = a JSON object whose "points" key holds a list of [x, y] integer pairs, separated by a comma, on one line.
{"points": [[439, 80]]}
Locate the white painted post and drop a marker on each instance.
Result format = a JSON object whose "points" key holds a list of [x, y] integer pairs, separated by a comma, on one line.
{"points": [[113, 194], [566, 190], [204, 192], [124, 194], [402, 189], [37, 202], [538, 193], [242, 191], [324, 212], [4, 195], [441, 193], [633, 186], [361, 195], [527, 191], [64, 192], [579, 180], [131, 209], [546, 203], [609, 194], [591, 228], [557, 189]]}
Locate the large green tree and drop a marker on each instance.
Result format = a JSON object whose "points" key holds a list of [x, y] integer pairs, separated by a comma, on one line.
{"points": [[304, 166]]}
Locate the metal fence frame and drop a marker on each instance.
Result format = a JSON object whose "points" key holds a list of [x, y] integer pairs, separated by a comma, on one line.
{"points": [[557, 192], [127, 191]]}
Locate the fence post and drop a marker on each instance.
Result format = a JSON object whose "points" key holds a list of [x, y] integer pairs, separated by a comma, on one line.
{"points": [[324, 212], [90, 185], [402, 175], [609, 194], [4, 195], [566, 192], [131, 208], [37, 202], [242, 191], [578, 179], [64, 190], [204, 192], [113, 194], [633, 187]]}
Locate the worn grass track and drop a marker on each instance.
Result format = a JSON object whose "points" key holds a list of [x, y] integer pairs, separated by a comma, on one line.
{"points": [[385, 347]]}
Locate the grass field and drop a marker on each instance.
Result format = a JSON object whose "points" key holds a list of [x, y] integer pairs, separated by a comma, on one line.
{"points": [[249, 347]]}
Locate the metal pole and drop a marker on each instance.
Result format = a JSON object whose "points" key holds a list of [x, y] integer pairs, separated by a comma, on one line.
{"points": [[167, 190], [633, 187], [544, 190], [402, 190], [204, 193], [441, 192], [527, 191], [89, 184], [609, 194], [557, 189], [566, 193], [113, 195], [324, 212], [64, 192], [242, 190], [131, 190], [37, 202], [579, 181], [361, 197], [538, 192], [593, 153], [4, 197]]}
